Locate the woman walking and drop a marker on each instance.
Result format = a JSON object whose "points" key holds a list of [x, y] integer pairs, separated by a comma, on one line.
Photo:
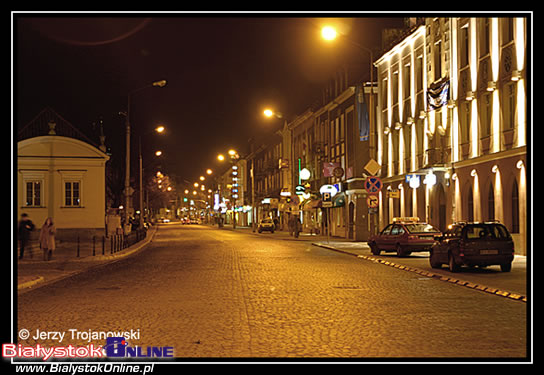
{"points": [[47, 238]]}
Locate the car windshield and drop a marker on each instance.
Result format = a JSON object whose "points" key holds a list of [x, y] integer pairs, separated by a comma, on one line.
{"points": [[421, 228], [485, 232]]}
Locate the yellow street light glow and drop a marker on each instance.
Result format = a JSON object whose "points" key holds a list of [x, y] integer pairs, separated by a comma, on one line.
{"points": [[158, 153], [328, 33], [220, 157], [232, 152], [209, 171], [268, 112], [195, 184], [202, 178], [159, 129]]}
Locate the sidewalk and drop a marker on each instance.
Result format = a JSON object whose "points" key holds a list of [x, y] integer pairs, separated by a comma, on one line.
{"points": [[32, 272]]}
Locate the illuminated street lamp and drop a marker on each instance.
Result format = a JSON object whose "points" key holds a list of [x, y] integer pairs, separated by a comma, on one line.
{"points": [[208, 171], [160, 83], [328, 33]]}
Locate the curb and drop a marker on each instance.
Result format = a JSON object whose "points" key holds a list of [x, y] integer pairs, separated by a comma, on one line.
{"points": [[453, 280], [30, 283]]}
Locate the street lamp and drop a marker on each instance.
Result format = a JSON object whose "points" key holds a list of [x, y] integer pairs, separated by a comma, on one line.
{"points": [[160, 130], [160, 83], [328, 33]]}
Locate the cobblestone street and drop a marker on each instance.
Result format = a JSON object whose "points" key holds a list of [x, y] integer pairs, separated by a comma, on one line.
{"points": [[213, 293]]}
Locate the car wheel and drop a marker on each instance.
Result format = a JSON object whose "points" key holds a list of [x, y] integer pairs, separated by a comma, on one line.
{"points": [[434, 263], [452, 266], [400, 252], [374, 248], [506, 267], [259, 230]]}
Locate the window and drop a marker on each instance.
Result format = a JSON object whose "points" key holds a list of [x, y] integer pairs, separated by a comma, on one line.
{"points": [[437, 60], [485, 115], [484, 36], [387, 229], [72, 194], [515, 207], [491, 203], [33, 193], [507, 30], [463, 46], [509, 107], [406, 78]]}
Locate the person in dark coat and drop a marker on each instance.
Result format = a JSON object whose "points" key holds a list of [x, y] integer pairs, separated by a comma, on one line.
{"points": [[47, 238], [26, 226]]}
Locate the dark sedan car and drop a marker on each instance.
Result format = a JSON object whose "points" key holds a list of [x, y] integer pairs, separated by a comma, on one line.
{"points": [[474, 244], [404, 235]]}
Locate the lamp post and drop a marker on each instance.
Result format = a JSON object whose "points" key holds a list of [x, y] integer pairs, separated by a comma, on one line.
{"points": [[329, 34], [160, 83], [159, 129]]}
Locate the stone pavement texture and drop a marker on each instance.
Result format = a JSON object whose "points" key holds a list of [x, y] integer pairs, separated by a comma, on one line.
{"points": [[219, 293]]}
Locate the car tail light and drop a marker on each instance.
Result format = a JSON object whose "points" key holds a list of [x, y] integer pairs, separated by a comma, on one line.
{"points": [[461, 248], [413, 237]]}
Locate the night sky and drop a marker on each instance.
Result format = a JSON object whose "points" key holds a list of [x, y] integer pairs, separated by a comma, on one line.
{"points": [[222, 71]]}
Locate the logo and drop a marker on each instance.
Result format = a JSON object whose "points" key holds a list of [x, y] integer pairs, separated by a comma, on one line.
{"points": [[115, 346], [119, 347]]}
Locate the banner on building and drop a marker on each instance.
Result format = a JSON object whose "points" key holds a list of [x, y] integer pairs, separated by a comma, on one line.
{"points": [[328, 169], [362, 115], [438, 95]]}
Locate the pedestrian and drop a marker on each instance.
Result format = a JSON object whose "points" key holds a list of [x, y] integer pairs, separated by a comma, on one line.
{"points": [[291, 224], [26, 226], [47, 238], [298, 227]]}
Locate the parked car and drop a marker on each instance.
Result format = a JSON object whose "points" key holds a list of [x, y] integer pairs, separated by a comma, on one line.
{"points": [[474, 244], [404, 235], [185, 220], [266, 225]]}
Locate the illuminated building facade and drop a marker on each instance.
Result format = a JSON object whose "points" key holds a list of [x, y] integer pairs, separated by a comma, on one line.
{"points": [[451, 124]]}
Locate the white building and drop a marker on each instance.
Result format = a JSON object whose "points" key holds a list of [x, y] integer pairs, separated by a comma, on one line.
{"points": [[452, 122], [61, 177]]}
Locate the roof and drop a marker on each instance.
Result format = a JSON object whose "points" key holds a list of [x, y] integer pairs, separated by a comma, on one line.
{"points": [[42, 125]]}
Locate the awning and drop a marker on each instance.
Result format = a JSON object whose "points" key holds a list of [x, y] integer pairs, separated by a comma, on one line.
{"points": [[339, 200]]}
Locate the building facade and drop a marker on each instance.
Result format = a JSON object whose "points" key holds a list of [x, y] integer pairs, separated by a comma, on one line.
{"points": [[60, 174], [452, 124]]}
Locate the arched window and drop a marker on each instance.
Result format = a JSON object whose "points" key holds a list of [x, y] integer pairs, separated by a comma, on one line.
{"points": [[470, 200], [515, 207], [491, 203]]}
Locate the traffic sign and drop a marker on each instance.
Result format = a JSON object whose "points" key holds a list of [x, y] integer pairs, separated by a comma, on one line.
{"points": [[326, 199], [373, 185], [372, 167], [372, 201]]}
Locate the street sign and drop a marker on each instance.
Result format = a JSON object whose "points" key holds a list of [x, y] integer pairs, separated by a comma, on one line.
{"points": [[373, 185], [326, 198], [372, 167], [395, 193], [338, 172], [372, 201]]}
